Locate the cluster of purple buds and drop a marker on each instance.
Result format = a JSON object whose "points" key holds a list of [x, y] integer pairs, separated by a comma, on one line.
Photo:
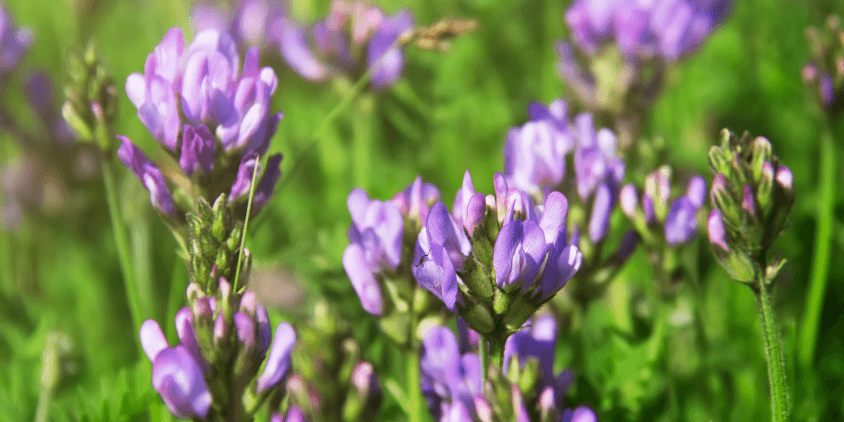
{"points": [[252, 23], [655, 212], [355, 37], [381, 244], [643, 30], [527, 390], [227, 123], [224, 340], [824, 73], [14, 42], [752, 196], [496, 258]]}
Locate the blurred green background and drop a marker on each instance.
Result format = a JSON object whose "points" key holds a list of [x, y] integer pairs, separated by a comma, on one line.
{"points": [[697, 357]]}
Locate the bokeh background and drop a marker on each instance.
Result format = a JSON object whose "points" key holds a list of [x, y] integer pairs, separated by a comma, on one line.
{"points": [[697, 357]]}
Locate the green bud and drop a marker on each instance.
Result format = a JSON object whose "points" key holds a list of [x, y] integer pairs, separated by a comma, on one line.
{"points": [[476, 278], [529, 378], [739, 266], [219, 212], [761, 154], [519, 312], [81, 129], [765, 190], [477, 315]]}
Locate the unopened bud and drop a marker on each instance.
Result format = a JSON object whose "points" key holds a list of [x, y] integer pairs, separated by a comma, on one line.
{"points": [[761, 154], [785, 179], [628, 199], [748, 204], [717, 232]]}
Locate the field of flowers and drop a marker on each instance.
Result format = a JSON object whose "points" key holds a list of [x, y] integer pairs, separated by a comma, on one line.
{"points": [[421, 210]]}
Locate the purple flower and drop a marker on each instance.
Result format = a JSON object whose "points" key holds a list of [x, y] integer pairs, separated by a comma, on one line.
{"points": [[519, 252], [133, 158], [176, 375], [197, 149], [681, 221], [335, 45], [203, 83], [445, 246], [539, 342], [669, 29], [251, 22], [415, 200], [278, 361], [39, 92], [375, 245], [294, 414], [13, 42], [535, 153], [384, 54], [448, 378], [580, 414], [717, 232]]}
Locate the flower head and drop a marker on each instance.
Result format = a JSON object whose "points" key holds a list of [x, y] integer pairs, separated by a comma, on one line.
{"points": [[14, 42], [355, 36]]}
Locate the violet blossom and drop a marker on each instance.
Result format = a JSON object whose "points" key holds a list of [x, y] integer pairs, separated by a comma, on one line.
{"points": [[354, 37], [14, 42]]}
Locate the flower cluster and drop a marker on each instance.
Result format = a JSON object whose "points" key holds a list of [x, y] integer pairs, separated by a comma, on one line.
{"points": [[224, 339], [825, 70], [527, 390], [14, 42], [621, 82], [354, 38], [496, 258], [381, 241], [252, 23], [669, 29], [752, 195], [678, 221], [535, 157], [227, 123]]}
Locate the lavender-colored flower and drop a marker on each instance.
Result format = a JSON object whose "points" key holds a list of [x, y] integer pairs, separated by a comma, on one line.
{"points": [[294, 414], [14, 42], [375, 245], [39, 92], [197, 149], [132, 157], [278, 361], [176, 375], [669, 29], [448, 378], [202, 82], [415, 201], [335, 44], [252, 23], [681, 221], [717, 232], [580, 414], [539, 342], [535, 153], [598, 172], [444, 246]]}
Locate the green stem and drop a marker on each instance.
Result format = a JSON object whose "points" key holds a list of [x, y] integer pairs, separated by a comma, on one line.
{"points": [[774, 353], [823, 247], [45, 398], [414, 386], [483, 349], [496, 352], [246, 223], [123, 247]]}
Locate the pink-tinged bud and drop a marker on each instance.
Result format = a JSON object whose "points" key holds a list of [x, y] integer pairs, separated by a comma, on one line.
{"points": [[785, 178], [717, 232], [809, 73], [546, 400], [225, 287], [629, 199], [748, 204], [245, 328], [475, 211], [483, 409], [490, 201], [219, 329], [696, 191], [248, 303], [202, 308]]}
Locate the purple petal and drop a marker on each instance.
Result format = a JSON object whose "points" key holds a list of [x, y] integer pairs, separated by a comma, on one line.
{"points": [[599, 220], [681, 221], [554, 217], [278, 361], [363, 281], [178, 379], [262, 317], [298, 55], [197, 149], [696, 191], [245, 172], [187, 336], [264, 190], [506, 247], [384, 55], [245, 328], [152, 339]]}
